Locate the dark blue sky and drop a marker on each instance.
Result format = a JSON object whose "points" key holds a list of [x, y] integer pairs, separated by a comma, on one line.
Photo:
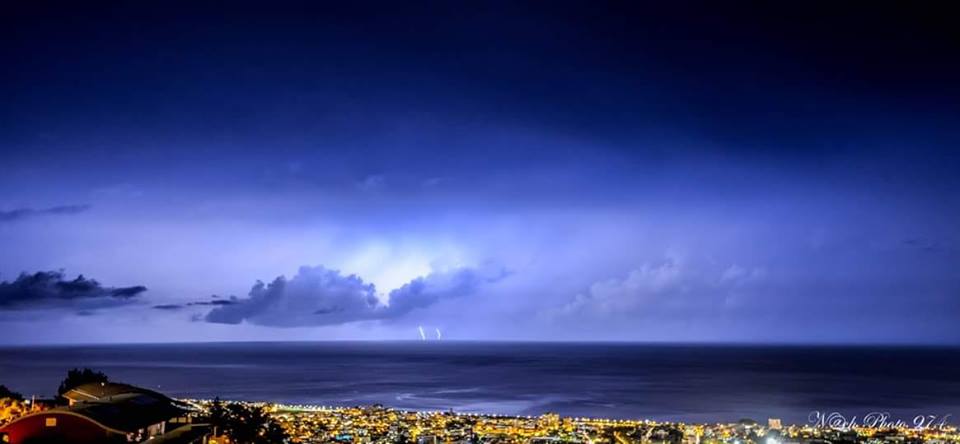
{"points": [[691, 171]]}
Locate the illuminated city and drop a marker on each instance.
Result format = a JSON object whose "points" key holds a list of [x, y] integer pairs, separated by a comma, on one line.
{"points": [[123, 413], [378, 424]]}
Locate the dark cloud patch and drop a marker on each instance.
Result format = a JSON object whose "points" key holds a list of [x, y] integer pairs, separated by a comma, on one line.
{"points": [[50, 290], [24, 213], [319, 296], [929, 245], [323, 311], [128, 292], [216, 302]]}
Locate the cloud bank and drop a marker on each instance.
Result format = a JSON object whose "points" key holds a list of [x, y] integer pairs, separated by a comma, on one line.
{"points": [[50, 290], [318, 296], [24, 213], [662, 286]]}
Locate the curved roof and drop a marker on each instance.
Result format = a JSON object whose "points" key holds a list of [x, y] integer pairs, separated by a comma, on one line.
{"points": [[96, 391]]}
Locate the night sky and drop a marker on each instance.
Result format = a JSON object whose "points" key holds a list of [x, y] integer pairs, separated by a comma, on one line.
{"points": [[629, 171]]}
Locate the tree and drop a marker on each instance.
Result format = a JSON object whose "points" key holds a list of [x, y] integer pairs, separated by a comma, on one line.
{"points": [[245, 424], [77, 377], [7, 393], [11, 409], [217, 417], [274, 433], [11, 405]]}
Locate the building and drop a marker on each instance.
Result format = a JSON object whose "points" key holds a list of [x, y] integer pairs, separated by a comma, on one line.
{"points": [[99, 391], [106, 413]]}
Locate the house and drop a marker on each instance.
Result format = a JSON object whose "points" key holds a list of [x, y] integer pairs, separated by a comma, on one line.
{"points": [[105, 413]]}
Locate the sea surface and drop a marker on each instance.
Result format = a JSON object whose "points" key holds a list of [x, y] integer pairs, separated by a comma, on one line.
{"points": [[666, 382]]}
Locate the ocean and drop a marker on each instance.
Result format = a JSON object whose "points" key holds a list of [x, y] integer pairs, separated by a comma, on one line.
{"points": [[666, 382]]}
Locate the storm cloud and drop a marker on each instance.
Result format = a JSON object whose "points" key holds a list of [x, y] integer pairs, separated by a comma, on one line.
{"points": [[51, 290], [24, 213], [319, 296]]}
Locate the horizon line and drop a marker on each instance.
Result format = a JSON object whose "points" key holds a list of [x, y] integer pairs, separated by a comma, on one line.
{"points": [[513, 341]]}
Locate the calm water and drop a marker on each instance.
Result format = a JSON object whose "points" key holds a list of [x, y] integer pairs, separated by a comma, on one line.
{"points": [[694, 383]]}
